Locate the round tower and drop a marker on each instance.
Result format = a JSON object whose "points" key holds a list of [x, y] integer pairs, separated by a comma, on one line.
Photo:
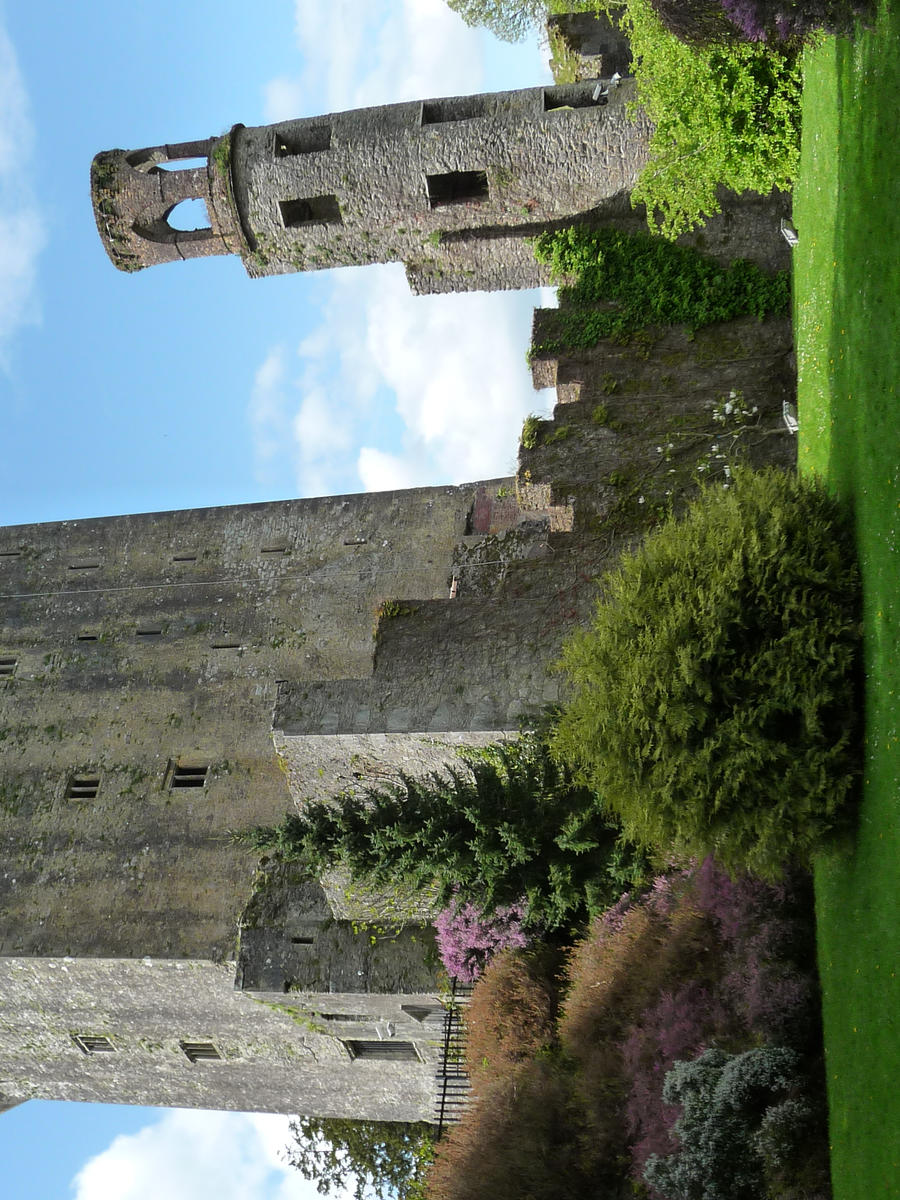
{"points": [[453, 188], [134, 194]]}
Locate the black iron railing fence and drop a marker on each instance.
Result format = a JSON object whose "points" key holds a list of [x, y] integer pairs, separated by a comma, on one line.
{"points": [[452, 1079]]}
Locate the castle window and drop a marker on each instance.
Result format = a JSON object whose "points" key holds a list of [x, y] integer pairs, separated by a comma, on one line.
{"points": [[225, 645], [83, 787], [84, 564], [459, 108], [302, 139], [273, 549], [10, 553], [314, 210], [567, 96], [302, 941], [86, 637], [457, 187], [184, 558], [189, 776], [7, 667], [383, 1051], [200, 1051], [93, 1043], [149, 632]]}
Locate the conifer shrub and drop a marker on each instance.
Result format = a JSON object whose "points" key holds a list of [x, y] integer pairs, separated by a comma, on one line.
{"points": [[734, 1108], [511, 1015], [715, 700], [508, 822]]}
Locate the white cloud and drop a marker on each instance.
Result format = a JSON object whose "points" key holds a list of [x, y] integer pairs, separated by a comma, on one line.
{"points": [[358, 53], [21, 228], [393, 390], [186, 1154]]}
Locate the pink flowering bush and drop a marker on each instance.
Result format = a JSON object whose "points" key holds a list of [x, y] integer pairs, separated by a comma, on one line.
{"points": [[468, 938]]}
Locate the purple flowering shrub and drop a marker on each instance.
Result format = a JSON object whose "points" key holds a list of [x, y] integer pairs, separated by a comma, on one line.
{"points": [[787, 20], [705, 22], [468, 938], [698, 960]]}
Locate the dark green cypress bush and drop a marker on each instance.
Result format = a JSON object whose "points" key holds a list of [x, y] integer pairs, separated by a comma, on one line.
{"points": [[507, 824], [715, 705]]}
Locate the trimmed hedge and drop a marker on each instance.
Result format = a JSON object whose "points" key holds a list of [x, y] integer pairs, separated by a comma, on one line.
{"points": [[715, 704]]}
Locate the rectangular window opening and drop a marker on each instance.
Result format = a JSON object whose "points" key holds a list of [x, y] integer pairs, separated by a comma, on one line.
{"points": [[153, 632], [7, 667], [302, 139], [93, 1043], [302, 941], [457, 187], [184, 558], [383, 1051], [87, 637], [200, 1051], [273, 549], [567, 96], [83, 787], [313, 210], [225, 645], [84, 565], [10, 553], [189, 777], [459, 108]]}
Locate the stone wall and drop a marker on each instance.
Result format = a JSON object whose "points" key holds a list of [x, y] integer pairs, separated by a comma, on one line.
{"points": [[276, 1052], [141, 651], [149, 645]]}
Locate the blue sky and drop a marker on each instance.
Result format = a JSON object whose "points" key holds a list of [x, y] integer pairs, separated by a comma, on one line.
{"points": [[191, 385]]}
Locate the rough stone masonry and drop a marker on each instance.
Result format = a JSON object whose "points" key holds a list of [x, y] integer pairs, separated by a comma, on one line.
{"points": [[453, 188]]}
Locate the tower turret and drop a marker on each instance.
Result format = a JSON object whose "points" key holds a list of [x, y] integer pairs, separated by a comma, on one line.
{"points": [[450, 187], [134, 194]]}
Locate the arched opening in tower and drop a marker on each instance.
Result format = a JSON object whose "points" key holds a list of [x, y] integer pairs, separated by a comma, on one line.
{"points": [[188, 216]]}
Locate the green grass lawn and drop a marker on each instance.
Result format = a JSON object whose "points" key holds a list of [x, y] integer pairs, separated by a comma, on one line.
{"points": [[847, 295]]}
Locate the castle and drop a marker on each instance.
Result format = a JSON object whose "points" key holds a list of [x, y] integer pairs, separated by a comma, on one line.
{"points": [[148, 662]]}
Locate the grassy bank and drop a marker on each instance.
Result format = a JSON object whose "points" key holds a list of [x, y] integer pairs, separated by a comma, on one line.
{"points": [[847, 292]]}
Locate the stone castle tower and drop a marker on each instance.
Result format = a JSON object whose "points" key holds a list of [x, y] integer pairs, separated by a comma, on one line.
{"points": [[147, 663], [451, 187], [141, 661]]}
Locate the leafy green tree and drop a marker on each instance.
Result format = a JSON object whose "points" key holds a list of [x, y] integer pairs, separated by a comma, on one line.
{"points": [[508, 823], [510, 20], [724, 115], [372, 1160], [716, 703]]}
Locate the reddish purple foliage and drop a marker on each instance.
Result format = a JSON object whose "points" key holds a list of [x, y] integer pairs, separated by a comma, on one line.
{"points": [[746, 16], [679, 1026], [759, 20], [468, 939]]}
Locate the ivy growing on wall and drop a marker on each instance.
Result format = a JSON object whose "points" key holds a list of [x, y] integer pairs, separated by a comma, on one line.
{"points": [[614, 283]]}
